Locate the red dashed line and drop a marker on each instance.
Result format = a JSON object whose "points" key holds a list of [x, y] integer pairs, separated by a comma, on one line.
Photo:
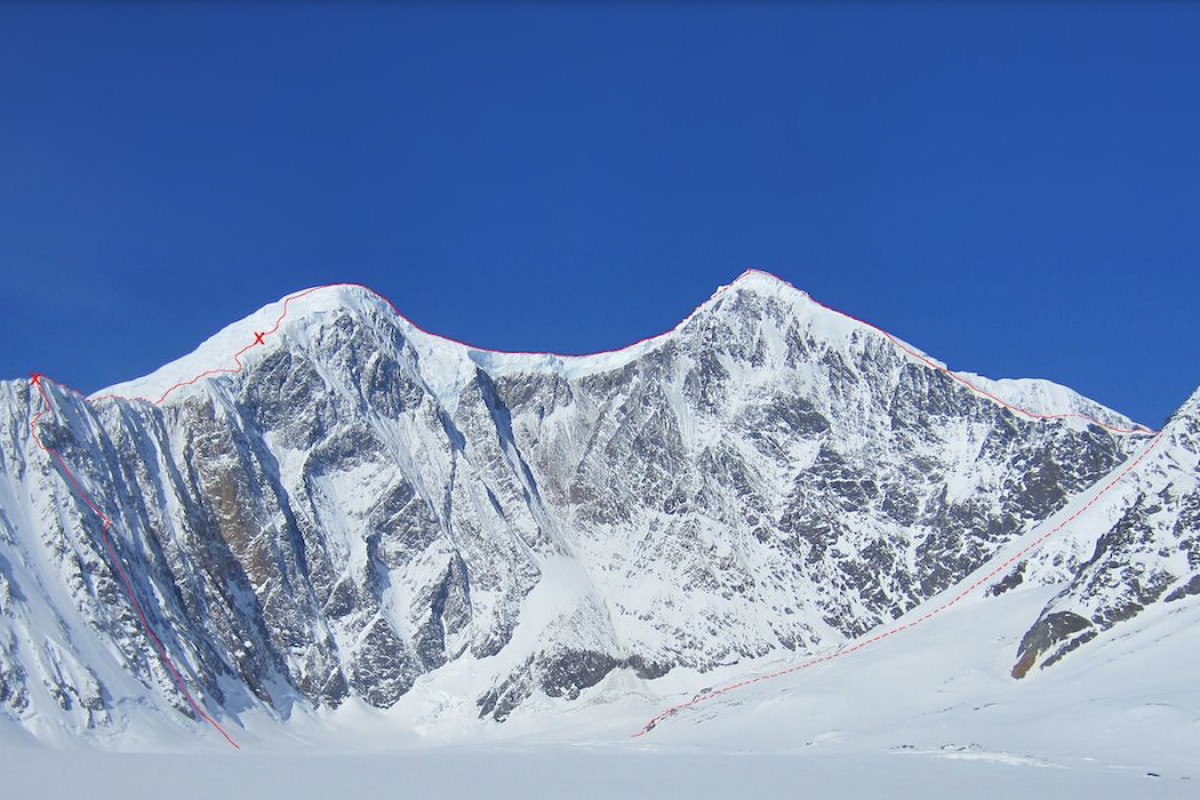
{"points": [[37, 379], [857, 646]]}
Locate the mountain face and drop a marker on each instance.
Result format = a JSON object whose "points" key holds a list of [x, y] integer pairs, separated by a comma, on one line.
{"points": [[361, 504]]}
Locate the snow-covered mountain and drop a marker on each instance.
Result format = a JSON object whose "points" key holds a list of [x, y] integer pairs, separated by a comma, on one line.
{"points": [[355, 507]]}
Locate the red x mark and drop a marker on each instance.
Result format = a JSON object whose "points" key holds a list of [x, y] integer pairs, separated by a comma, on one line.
{"points": [[35, 378], [258, 337]]}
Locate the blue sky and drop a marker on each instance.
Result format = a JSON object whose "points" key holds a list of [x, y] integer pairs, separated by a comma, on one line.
{"points": [[1015, 188]]}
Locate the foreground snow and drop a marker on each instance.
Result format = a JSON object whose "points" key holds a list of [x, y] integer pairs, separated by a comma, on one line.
{"points": [[930, 713], [562, 773]]}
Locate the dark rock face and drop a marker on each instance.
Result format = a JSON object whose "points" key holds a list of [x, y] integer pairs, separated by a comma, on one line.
{"points": [[1010, 581], [1051, 631], [363, 505], [1180, 592]]}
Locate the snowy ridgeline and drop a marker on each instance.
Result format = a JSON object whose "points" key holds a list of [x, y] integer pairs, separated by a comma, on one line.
{"points": [[370, 520]]}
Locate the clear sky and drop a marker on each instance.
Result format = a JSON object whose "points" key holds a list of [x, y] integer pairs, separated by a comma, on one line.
{"points": [[1014, 188]]}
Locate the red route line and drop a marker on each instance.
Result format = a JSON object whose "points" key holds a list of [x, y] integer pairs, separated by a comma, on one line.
{"points": [[259, 336], [954, 375], [1036, 543], [106, 523], [237, 357], [77, 486]]}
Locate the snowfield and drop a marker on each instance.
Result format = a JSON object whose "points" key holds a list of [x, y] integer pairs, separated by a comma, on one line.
{"points": [[930, 714]]}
